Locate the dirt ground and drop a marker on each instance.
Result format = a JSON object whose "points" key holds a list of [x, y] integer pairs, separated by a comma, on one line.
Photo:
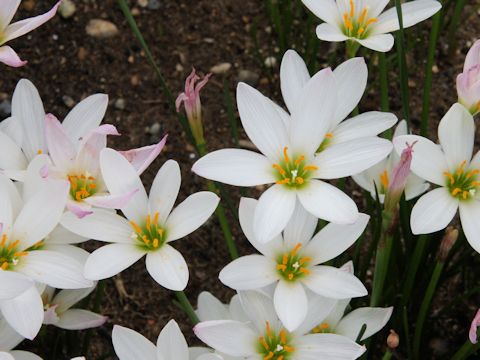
{"points": [[67, 65]]}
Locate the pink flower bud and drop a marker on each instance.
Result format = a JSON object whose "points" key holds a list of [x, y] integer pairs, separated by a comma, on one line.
{"points": [[449, 239], [468, 82], [472, 334], [193, 107], [399, 178]]}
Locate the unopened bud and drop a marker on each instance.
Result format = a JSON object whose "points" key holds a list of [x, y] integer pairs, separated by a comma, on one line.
{"points": [[468, 81], [393, 340], [449, 239]]}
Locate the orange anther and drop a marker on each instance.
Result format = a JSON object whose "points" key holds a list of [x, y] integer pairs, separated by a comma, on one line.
{"points": [[264, 343], [137, 228], [285, 154], [155, 218]]}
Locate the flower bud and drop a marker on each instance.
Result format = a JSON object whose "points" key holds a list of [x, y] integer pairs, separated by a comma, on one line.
{"points": [[472, 334], [193, 107], [449, 239], [393, 340], [468, 82]]}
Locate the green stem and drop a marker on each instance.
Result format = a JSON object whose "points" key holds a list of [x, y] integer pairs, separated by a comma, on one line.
{"points": [[187, 307], [351, 48], [412, 268], [428, 72], [466, 350], [422, 314], [452, 30], [387, 355]]}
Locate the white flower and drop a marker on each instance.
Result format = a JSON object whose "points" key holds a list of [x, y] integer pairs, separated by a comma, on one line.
{"points": [[151, 224], [363, 21], [9, 339], [379, 175], [450, 166], [210, 308], [171, 345], [292, 263], [289, 159], [59, 312], [263, 337]]}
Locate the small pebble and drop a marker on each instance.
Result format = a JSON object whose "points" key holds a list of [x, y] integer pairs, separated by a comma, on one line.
{"points": [[435, 69], [249, 77], [153, 5], [142, 3], [271, 61], [28, 5], [101, 29], [154, 129], [67, 8], [135, 80], [82, 53], [221, 68], [135, 12], [68, 101], [120, 104]]}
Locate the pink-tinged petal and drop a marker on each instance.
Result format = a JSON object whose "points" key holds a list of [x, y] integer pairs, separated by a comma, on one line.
{"points": [[9, 57], [50, 316], [25, 26], [142, 157], [61, 149], [111, 201], [472, 334], [9, 8], [473, 56], [79, 319], [79, 209]]}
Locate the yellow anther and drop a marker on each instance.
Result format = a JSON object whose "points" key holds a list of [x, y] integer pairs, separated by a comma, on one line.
{"points": [[39, 152], [20, 254], [137, 228], [329, 135], [149, 221], [290, 276], [475, 183], [347, 22], [456, 191], [4, 266], [280, 357], [296, 248], [145, 239], [285, 259], [283, 182], [283, 336], [269, 356], [299, 160], [155, 243], [360, 31], [304, 260], [304, 271], [363, 15], [299, 180], [450, 177], [13, 245], [371, 21], [155, 218], [310, 168], [281, 267], [465, 195], [472, 172], [288, 349], [460, 168], [384, 179], [264, 343], [279, 169], [352, 8], [285, 154], [4, 240], [268, 330], [92, 186]]}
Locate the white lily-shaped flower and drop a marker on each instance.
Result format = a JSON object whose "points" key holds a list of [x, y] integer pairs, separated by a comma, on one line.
{"points": [[23, 227], [289, 159], [379, 175], [468, 82], [365, 22], [292, 263], [150, 227], [452, 168], [264, 337], [171, 344], [9, 339], [351, 80], [59, 312], [12, 31]]}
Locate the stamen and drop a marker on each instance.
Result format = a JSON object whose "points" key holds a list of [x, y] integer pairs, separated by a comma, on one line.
{"points": [[363, 15], [371, 21], [360, 31], [281, 267], [39, 152], [283, 182], [285, 154], [299, 180], [285, 259], [304, 260], [465, 195], [288, 348], [295, 249], [456, 191], [299, 160], [4, 240], [352, 9], [384, 179], [268, 329], [269, 356], [283, 336], [20, 253], [148, 222], [310, 168], [450, 176], [155, 218], [4, 266], [472, 172], [347, 22], [290, 276], [462, 165], [329, 135], [135, 227], [13, 245], [264, 343], [279, 168], [155, 243], [304, 271]]}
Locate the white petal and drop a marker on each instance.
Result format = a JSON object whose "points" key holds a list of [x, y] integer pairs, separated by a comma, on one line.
{"points": [[274, 209], [327, 347], [35, 179], [469, 215], [291, 305], [11, 155], [329, 203], [375, 319], [300, 228], [456, 133], [10, 338], [61, 236], [6, 356], [261, 121], [334, 283], [110, 260], [24, 313], [171, 343], [79, 319], [326, 10], [12, 128], [413, 12], [164, 190], [54, 269], [102, 225], [9, 8], [27, 107], [433, 211], [168, 268], [60, 148], [13, 284], [130, 345], [293, 77], [334, 239], [428, 160], [379, 42], [249, 272], [25, 355], [230, 337], [376, 7], [85, 116], [235, 167], [258, 308], [121, 178], [351, 157], [190, 214], [312, 116], [351, 77], [367, 124], [65, 299], [329, 32], [210, 308], [319, 307]]}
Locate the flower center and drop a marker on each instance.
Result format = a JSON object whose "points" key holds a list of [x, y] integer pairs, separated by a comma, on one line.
{"points": [[150, 236], [323, 328], [356, 23], [82, 186], [291, 266], [9, 255], [462, 184], [293, 172], [273, 346]]}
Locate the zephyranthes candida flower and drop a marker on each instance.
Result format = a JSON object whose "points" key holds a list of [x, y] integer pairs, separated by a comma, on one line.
{"points": [[12, 31], [292, 263], [468, 82], [452, 168], [365, 22]]}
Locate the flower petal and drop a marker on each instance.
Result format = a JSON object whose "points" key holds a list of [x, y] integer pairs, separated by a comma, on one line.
{"points": [[9, 8], [168, 268], [9, 57], [249, 272], [24, 355], [329, 32], [319, 307], [367, 124], [109, 260], [334, 239], [164, 190], [329, 203], [141, 158], [79, 319], [469, 212], [13, 284], [334, 283], [293, 77], [375, 319], [300, 228], [65, 299], [326, 10], [379, 42], [10, 338], [130, 345], [109, 201], [258, 308], [327, 346], [210, 308], [60, 147], [261, 121], [11, 155], [171, 343], [274, 209], [433, 211], [291, 304], [235, 167], [190, 214]]}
